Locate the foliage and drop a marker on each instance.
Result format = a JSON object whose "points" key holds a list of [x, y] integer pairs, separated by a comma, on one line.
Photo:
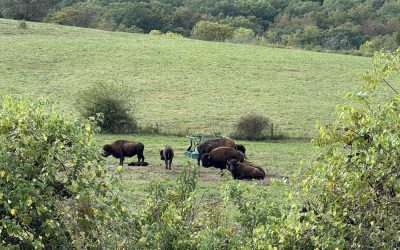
{"points": [[176, 217], [210, 31], [262, 16], [352, 185], [54, 191], [260, 219], [22, 25], [251, 127], [243, 35], [32, 10], [80, 14], [113, 102], [387, 42], [155, 33]]}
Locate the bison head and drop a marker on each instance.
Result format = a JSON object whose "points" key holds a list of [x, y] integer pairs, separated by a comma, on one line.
{"points": [[241, 148], [108, 150], [206, 160], [232, 164]]}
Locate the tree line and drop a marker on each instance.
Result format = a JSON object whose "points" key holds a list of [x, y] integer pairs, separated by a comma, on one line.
{"points": [[320, 24]]}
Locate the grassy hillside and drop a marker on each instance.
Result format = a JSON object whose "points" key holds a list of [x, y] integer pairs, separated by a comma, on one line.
{"points": [[180, 83]]}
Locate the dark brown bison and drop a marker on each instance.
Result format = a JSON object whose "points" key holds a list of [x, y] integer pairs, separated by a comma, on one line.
{"points": [[167, 154], [219, 157], [207, 146], [138, 164], [121, 149], [245, 170]]}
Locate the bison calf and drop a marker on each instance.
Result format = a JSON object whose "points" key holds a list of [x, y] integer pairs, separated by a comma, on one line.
{"points": [[245, 170], [167, 154], [121, 149], [219, 157]]}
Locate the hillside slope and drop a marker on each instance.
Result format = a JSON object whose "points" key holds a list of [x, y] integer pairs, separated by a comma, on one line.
{"points": [[180, 83]]}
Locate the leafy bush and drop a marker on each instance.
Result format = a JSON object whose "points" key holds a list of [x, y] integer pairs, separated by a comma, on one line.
{"points": [[386, 42], [352, 185], [79, 14], [111, 100], [54, 192], [251, 127], [210, 31], [22, 25], [155, 33], [243, 35], [177, 217]]}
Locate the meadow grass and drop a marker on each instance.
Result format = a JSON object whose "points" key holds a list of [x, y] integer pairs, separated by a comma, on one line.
{"points": [[180, 84]]}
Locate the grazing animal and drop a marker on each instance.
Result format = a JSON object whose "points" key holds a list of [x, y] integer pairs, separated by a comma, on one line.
{"points": [[207, 146], [254, 165], [167, 154], [241, 148], [245, 170], [121, 149], [219, 157], [139, 164]]}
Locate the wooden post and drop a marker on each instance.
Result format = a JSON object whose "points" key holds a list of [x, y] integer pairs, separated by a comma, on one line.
{"points": [[272, 130]]}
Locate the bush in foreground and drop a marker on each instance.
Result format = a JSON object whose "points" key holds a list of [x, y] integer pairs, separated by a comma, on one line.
{"points": [[54, 192], [352, 186]]}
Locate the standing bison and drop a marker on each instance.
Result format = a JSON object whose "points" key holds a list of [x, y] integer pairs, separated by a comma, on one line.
{"points": [[219, 157], [121, 149], [245, 170], [207, 146], [167, 154]]}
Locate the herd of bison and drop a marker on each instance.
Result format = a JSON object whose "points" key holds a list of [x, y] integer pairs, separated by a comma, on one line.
{"points": [[220, 153]]}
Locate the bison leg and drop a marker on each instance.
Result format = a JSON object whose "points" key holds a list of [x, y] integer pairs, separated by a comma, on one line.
{"points": [[166, 164], [140, 157], [121, 161]]}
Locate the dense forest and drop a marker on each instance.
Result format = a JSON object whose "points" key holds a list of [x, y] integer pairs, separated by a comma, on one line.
{"points": [[367, 25]]}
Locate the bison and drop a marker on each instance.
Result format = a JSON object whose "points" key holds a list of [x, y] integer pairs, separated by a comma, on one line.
{"points": [[219, 157], [121, 149], [245, 170], [138, 164], [167, 154], [207, 146]]}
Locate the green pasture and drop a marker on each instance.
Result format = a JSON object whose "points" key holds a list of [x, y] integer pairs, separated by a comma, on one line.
{"points": [[181, 84]]}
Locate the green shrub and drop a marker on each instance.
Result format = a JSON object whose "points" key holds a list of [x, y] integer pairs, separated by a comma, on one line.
{"points": [[155, 33], [113, 101], [54, 192], [251, 127], [22, 25], [209, 31], [176, 216], [243, 35], [352, 183], [172, 35]]}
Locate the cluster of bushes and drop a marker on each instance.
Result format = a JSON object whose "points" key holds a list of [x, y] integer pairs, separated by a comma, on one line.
{"points": [[333, 25], [55, 191]]}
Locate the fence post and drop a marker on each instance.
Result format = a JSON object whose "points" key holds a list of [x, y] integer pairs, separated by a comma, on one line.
{"points": [[272, 130]]}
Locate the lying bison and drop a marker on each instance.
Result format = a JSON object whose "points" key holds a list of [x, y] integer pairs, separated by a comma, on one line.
{"points": [[219, 157], [207, 146], [121, 149], [245, 170], [167, 154]]}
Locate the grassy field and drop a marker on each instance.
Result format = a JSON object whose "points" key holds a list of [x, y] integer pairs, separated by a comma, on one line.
{"points": [[181, 84]]}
